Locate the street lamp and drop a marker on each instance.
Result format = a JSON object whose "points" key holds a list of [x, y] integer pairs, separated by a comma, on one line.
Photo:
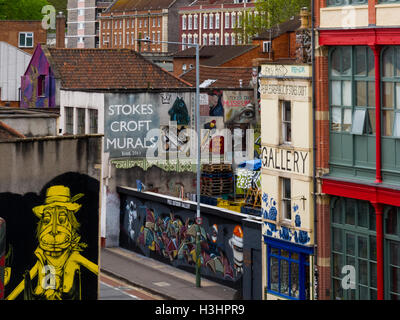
{"points": [[198, 217]]}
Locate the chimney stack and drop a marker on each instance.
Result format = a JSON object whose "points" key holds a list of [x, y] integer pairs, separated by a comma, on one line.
{"points": [[60, 30], [305, 18]]}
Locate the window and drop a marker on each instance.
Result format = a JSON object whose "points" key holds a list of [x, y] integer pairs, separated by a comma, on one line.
{"points": [[127, 38], [81, 12], [80, 40], [266, 46], [288, 273], [41, 92], [120, 38], [115, 24], [332, 3], [158, 36], [69, 120], [93, 119], [217, 22], [145, 23], [211, 39], [226, 38], [183, 22], [239, 20], [391, 92], [205, 21], [80, 129], [196, 38], [140, 23], [233, 38], [81, 25], [154, 22], [233, 20], [286, 208], [184, 41], [195, 22], [26, 39], [127, 23], [204, 39], [211, 22], [227, 20], [115, 39], [190, 39], [190, 22], [286, 134], [352, 86], [108, 24], [158, 22], [120, 24], [353, 239], [217, 39]]}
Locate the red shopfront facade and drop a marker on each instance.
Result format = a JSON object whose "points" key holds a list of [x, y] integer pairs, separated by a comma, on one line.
{"points": [[364, 159]]}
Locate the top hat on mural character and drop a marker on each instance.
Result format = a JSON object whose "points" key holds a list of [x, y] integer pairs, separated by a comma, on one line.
{"points": [[58, 196]]}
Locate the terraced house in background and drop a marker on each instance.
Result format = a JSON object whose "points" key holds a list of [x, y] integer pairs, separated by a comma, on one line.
{"points": [[128, 20], [358, 154]]}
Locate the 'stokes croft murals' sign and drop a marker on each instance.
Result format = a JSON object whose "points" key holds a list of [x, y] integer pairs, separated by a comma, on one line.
{"points": [[130, 119]]}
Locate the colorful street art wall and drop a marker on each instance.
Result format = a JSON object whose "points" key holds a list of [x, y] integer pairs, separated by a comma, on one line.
{"points": [[52, 240], [167, 232], [38, 85]]}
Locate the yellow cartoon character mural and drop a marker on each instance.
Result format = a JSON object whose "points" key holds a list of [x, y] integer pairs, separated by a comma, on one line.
{"points": [[59, 261]]}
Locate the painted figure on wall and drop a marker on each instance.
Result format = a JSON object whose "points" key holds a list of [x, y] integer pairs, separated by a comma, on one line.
{"points": [[236, 243], [215, 104], [179, 112], [58, 255]]}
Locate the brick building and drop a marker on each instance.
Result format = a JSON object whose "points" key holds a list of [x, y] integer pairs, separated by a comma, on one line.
{"points": [[128, 20], [357, 157], [24, 35], [212, 22]]}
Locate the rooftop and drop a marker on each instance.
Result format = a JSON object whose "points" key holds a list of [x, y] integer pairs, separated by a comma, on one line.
{"points": [[108, 69], [128, 5]]}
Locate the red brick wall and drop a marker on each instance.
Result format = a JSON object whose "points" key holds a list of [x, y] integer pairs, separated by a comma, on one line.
{"points": [[245, 60], [324, 251], [9, 32], [179, 62]]}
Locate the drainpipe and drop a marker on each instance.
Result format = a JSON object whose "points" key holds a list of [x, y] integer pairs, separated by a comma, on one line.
{"points": [[314, 143]]}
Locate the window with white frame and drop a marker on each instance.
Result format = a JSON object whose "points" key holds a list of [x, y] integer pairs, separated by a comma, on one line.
{"points": [[127, 23], [104, 24], [226, 39], [127, 38], [189, 38], [233, 20], [140, 23], [184, 41], [132, 38], [120, 39], [104, 38], [196, 38], [154, 22], [227, 20], [211, 39], [286, 193], [211, 22], [239, 38], [81, 25], [115, 39], [239, 20], [195, 22], [158, 22], [145, 23], [25, 39], [116, 24], [184, 22], [120, 24], [233, 38], [81, 12], [204, 39], [217, 39], [205, 21], [80, 40], [286, 135], [108, 24], [158, 36], [153, 34], [190, 17], [217, 21], [266, 46]]}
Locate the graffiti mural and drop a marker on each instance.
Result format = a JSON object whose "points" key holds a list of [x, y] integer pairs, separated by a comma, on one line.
{"points": [[168, 234], [38, 85], [239, 107], [270, 213], [52, 241]]}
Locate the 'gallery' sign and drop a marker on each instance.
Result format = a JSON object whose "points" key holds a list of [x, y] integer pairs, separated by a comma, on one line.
{"points": [[285, 160]]}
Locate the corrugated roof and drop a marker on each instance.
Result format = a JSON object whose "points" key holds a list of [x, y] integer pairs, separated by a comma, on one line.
{"points": [[108, 69]]}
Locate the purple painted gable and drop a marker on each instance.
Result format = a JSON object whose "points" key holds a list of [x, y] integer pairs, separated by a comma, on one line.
{"points": [[38, 66]]}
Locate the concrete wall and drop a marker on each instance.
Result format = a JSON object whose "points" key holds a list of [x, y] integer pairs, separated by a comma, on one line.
{"points": [[28, 169], [32, 126]]}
